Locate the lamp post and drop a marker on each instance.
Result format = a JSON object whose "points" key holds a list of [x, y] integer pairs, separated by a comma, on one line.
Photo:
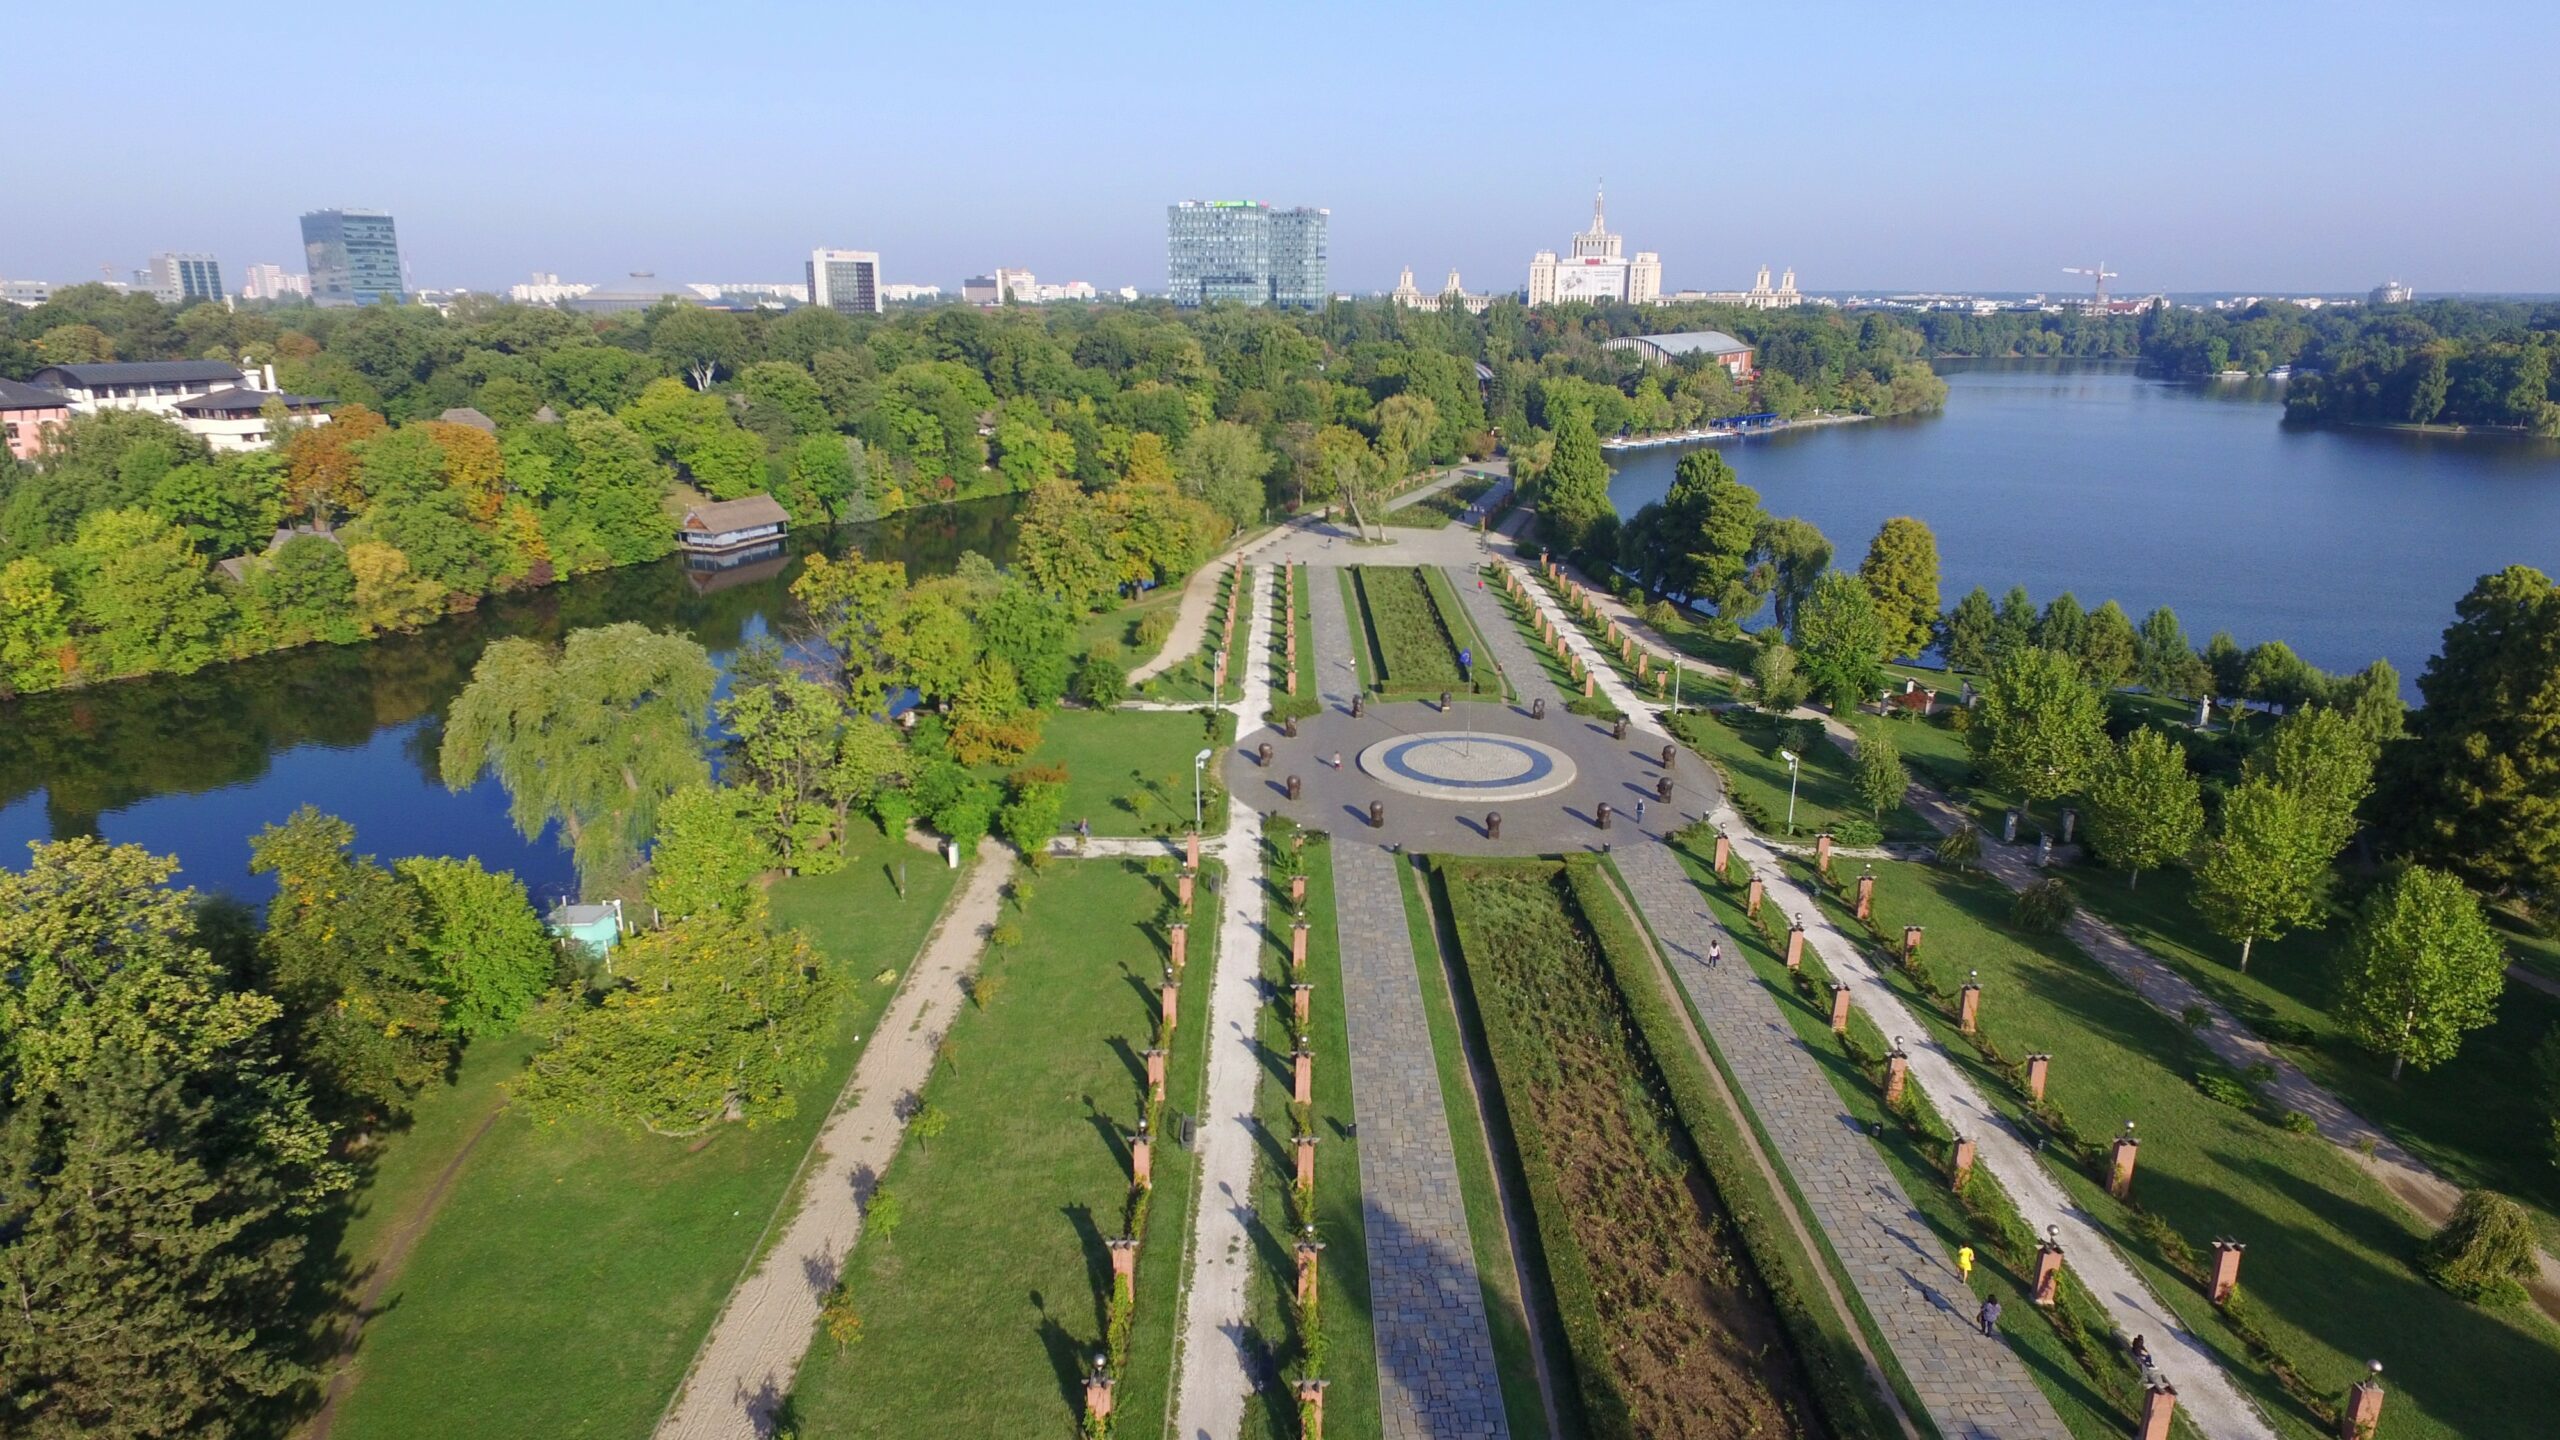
{"points": [[1794, 765], [1199, 762]]}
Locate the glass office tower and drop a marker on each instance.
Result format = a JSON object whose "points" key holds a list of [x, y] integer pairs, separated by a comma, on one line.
{"points": [[353, 257], [1245, 251]]}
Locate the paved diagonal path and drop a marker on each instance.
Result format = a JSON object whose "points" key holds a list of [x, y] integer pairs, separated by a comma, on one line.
{"points": [[1218, 1352], [1436, 1376]]}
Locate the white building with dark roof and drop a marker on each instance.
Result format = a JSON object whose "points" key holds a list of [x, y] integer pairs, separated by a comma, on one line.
{"points": [[214, 400], [1734, 355]]}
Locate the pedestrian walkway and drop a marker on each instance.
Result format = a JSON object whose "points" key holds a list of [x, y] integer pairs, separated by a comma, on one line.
{"points": [[1511, 652], [1217, 1359], [1436, 1375]]}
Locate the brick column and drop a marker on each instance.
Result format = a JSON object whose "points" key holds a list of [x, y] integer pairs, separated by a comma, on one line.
{"points": [[1142, 1158], [1910, 943], [1897, 1075], [1097, 1392], [1171, 991], [1822, 852], [1839, 1008], [2159, 1402], [1298, 889], [1751, 897], [1867, 896], [2038, 1066], [1304, 1061], [1311, 1408], [1124, 1260], [1155, 1073], [1182, 890], [1969, 1007], [1178, 941], [1962, 1163], [1306, 1162], [1191, 851], [1724, 852], [2048, 1272], [2226, 1269], [2120, 1159], [1300, 995], [2363, 1412], [1795, 944], [1308, 1250], [1298, 945]]}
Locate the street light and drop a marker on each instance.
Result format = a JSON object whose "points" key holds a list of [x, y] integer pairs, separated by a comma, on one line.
{"points": [[1794, 764], [1198, 762]]}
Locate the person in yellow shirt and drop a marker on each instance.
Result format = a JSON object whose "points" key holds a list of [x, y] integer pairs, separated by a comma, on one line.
{"points": [[1964, 1264]]}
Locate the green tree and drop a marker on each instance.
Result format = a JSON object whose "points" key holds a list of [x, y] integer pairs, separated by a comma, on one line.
{"points": [[2014, 626], [2321, 756], [2064, 626], [2163, 662], [2486, 1250], [1031, 814], [2041, 726], [1780, 683], [2107, 646], [2145, 810], [342, 951], [594, 734], [832, 472], [708, 854], [783, 735], [2476, 788], [701, 343], [1965, 636], [144, 603], [35, 636], [2423, 967], [1794, 555], [1901, 571], [1842, 641], [710, 1018], [1697, 541], [1573, 491], [2263, 872], [1223, 464], [1881, 777], [486, 950]]}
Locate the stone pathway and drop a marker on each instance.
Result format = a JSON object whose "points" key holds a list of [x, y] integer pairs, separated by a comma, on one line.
{"points": [[745, 1367], [1501, 635], [1436, 1375], [1219, 1348]]}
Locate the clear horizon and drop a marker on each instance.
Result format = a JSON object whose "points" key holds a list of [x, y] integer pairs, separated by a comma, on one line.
{"points": [[1872, 149]]}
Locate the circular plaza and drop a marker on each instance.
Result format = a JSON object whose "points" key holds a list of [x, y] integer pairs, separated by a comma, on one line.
{"points": [[1467, 765]]}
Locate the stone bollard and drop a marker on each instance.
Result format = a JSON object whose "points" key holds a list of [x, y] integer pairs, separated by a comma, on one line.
{"points": [[1302, 997], [1297, 787], [1124, 1260], [1961, 1164], [1155, 1072], [1867, 896], [2226, 1269], [2120, 1159], [1670, 756], [1897, 1074], [1618, 728], [1182, 884], [1662, 788], [1910, 943], [1969, 1007], [1751, 898], [1264, 753], [2070, 822], [1307, 1162], [2009, 828], [1191, 851], [1602, 815], [1839, 1008], [1298, 888], [1444, 702], [2048, 1286], [1493, 824], [2363, 1412], [1724, 851], [2159, 1402], [1298, 945], [2039, 1065], [1822, 852], [1142, 1158], [1308, 1250], [1289, 727], [1795, 944], [1377, 814], [1538, 708], [1303, 1061], [1171, 994], [1178, 942], [1359, 704], [1311, 1409]]}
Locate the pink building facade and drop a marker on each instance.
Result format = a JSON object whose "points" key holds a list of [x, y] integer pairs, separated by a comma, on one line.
{"points": [[27, 415]]}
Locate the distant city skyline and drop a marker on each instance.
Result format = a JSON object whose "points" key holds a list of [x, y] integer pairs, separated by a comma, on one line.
{"points": [[1872, 148]]}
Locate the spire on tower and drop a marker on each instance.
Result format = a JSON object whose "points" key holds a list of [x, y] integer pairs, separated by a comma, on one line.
{"points": [[1600, 207]]}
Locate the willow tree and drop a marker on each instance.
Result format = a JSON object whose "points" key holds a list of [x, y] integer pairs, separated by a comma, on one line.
{"points": [[593, 733]]}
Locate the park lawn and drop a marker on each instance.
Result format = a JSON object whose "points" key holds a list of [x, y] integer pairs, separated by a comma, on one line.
{"points": [[2475, 1118], [1115, 632], [1411, 648], [1129, 771], [575, 1267], [1481, 1140], [981, 1312], [2528, 944], [1934, 754], [1487, 672], [1434, 512], [1743, 744], [2330, 1274], [1343, 1299]]}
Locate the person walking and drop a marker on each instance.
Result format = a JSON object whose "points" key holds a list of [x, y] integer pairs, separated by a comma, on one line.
{"points": [[1989, 1319], [1964, 1265], [1639, 811], [1337, 759], [1715, 953], [2142, 1357]]}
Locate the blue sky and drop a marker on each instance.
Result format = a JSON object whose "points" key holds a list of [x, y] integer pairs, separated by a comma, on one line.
{"points": [[2253, 146]]}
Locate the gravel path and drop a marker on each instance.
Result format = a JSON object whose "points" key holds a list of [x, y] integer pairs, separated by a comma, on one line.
{"points": [[746, 1365]]}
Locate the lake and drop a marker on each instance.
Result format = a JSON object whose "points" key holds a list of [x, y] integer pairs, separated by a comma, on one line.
{"points": [[2348, 545], [194, 765]]}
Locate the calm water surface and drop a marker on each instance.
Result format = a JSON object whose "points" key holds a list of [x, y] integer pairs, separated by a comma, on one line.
{"points": [[194, 765], [2347, 545]]}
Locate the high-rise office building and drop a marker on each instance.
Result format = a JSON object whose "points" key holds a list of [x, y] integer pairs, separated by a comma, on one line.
{"points": [[270, 282], [1246, 251], [846, 281], [353, 258], [182, 279]]}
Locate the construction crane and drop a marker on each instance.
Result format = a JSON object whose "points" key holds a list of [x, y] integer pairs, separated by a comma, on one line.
{"points": [[2101, 274]]}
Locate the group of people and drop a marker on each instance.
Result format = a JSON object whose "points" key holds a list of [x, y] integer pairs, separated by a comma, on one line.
{"points": [[1988, 1317]]}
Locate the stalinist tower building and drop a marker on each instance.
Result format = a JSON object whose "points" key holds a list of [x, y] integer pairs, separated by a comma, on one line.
{"points": [[1597, 270]]}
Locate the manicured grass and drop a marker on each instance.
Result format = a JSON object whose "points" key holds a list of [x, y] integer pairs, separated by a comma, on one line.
{"points": [[1444, 997], [1116, 633], [2476, 1118], [1486, 672], [1436, 511], [575, 1268], [1350, 1358], [2329, 1278], [1744, 746], [1401, 625], [983, 1307], [1129, 771], [2529, 944], [1664, 1317]]}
